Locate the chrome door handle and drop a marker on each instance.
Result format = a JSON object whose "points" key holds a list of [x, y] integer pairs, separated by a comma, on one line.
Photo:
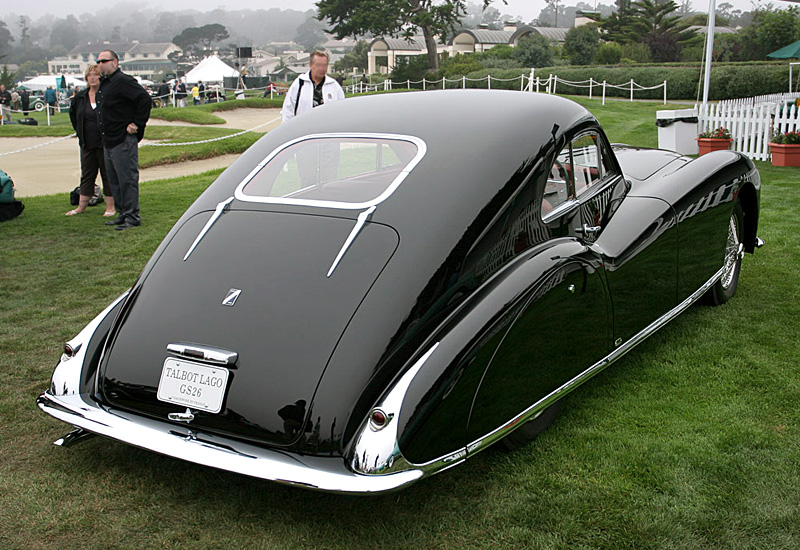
{"points": [[588, 230]]}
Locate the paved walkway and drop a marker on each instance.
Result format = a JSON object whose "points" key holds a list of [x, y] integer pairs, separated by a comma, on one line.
{"points": [[55, 168]]}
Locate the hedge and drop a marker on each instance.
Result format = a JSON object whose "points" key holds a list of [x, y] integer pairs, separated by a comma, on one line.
{"points": [[728, 80]]}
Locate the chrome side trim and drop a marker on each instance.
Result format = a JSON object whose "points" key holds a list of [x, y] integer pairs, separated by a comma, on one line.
{"points": [[217, 213], [535, 409], [204, 353], [326, 474], [376, 451], [362, 219], [422, 148]]}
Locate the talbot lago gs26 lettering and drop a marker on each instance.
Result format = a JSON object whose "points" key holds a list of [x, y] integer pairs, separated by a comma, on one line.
{"points": [[413, 285]]}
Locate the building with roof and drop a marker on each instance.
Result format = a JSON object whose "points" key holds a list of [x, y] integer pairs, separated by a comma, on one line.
{"points": [[146, 60], [479, 40], [393, 49], [465, 41], [553, 34]]}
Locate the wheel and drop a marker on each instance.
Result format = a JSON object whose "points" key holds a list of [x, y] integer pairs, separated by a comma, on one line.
{"points": [[724, 289], [157, 103], [39, 107], [531, 429]]}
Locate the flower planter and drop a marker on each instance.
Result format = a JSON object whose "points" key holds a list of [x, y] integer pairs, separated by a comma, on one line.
{"points": [[785, 154], [707, 145]]}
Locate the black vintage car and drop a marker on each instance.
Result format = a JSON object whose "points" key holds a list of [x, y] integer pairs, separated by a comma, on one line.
{"points": [[384, 286]]}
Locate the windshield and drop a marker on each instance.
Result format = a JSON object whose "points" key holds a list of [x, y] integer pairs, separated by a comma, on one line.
{"points": [[335, 171]]}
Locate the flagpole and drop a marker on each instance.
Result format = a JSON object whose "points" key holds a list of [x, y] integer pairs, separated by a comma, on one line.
{"points": [[712, 11]]}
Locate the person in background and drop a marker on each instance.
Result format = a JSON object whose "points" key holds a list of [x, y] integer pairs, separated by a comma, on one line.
{"points": [[50, 98], [25, 100], [195, 95], [15, 99], [311, 89], [83, 115], [180, 93], [5, 103], [123, 115], [202, 89], [163, 93]]}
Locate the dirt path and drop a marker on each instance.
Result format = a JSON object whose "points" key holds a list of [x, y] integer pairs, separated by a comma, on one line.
{"points": [[55, 167]]}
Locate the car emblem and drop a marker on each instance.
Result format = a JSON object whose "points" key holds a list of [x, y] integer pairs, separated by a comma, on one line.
{"points": [[233, 295]]}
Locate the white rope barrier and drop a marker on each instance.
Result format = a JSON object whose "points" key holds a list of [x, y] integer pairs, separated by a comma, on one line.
{"points": [[37, 146], [211, 140]]}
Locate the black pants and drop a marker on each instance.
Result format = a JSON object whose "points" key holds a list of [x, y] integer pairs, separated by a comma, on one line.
{"points": [[122, 163], [93, 161]]}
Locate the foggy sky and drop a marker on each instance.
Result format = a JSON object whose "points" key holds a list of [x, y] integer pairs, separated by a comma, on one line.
{"points": [[526, 10]]}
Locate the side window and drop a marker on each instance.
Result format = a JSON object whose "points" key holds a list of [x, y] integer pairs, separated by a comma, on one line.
{"points": [[557, 188], [586, 162], [577, 167]]}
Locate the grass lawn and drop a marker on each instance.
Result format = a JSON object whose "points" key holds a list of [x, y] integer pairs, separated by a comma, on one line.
{"points": [[692, 440]]}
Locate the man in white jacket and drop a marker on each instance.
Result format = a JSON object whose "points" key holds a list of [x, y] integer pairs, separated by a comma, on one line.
{"points": [[311, 89]]}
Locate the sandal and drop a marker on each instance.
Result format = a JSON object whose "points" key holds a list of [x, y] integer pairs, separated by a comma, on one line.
{"points": [[74, 213], [109, 214]]}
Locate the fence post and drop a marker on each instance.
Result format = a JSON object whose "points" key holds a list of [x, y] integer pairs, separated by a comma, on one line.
{"points": [[530, 83], [555, 83], [463, 82], [665, 92], [423, 84], [604, 92], [489, 81], [444, 83], [631, 89], [537, 84], [591, 81]]}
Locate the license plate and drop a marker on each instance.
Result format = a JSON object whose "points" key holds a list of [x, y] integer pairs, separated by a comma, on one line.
{"points": [[194, 385]]}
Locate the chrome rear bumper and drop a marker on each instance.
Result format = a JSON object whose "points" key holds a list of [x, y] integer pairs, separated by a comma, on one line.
{"points": [[321, 473]]}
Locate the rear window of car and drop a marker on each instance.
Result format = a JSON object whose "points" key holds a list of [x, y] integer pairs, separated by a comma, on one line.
{"points": [[334, 171]]}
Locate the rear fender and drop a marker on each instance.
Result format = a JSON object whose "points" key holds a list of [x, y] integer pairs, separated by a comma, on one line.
{"points": [[431, 416]]}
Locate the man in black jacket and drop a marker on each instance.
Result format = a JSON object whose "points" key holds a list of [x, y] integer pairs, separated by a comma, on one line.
{"points": [[124, 108]]}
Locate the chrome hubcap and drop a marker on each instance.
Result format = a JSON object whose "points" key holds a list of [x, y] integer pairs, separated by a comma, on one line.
{"points": [[731, 253]]}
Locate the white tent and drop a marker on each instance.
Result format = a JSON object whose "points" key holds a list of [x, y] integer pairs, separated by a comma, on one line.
{"points": [[42, 82], [210, 69]]}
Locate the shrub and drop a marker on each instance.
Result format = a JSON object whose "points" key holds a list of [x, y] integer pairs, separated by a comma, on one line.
{"points": [[638, 53], [534, 51], [609, 53]]}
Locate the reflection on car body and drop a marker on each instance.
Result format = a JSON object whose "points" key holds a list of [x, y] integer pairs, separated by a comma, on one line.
{"points": [[390, 287]]}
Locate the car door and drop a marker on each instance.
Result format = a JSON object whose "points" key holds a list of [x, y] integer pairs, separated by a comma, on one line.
{"points": [[564, 326]]}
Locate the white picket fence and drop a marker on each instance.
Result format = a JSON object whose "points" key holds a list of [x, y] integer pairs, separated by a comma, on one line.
{"points": [[752, 121]]}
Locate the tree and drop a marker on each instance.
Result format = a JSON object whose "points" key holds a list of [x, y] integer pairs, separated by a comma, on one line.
{"points": [[771, 30], [66, 32], [5, 39], [615, 25], [310, 34], [534, 51], [665, 34], [396, 18], [581, 43], [357, 59], [7, 78], [203, 36]]}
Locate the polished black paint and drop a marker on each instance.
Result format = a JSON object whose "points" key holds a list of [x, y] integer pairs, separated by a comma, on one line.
{"points": [[459, 255]]}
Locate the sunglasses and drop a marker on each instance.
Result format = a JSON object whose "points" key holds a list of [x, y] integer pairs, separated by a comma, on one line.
{"points": [[103, 61]]}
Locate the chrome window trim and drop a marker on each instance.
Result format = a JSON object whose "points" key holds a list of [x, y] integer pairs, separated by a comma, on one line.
{"points": [[422, 148]]}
